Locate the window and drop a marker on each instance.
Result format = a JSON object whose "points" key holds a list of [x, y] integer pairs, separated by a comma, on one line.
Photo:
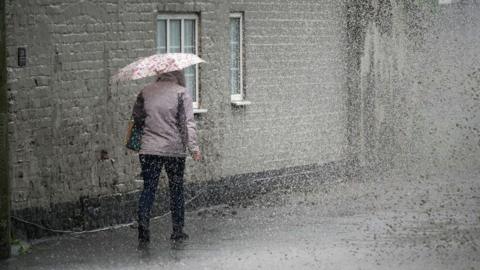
{"points": [[178, 33], [236, 57]]}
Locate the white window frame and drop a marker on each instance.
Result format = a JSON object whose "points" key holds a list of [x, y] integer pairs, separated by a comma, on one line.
{"points": [[182, 17], [447, 2], [239, 97]]}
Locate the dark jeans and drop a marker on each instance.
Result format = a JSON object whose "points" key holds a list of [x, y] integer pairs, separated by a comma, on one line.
{"points": [[151, 168]]}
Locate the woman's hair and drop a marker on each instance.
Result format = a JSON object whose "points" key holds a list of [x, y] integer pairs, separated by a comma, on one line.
{"points": [[176, 76]]}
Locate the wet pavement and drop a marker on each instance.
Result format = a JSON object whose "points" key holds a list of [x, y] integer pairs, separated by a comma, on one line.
{"points": [[390, 222]]}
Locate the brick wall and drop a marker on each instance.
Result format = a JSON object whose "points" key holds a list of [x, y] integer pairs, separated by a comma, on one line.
{"points": [[67, 122], [294, 77]]}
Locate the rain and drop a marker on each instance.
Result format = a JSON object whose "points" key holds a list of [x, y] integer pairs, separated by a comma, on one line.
{"points": [[305, 134]]}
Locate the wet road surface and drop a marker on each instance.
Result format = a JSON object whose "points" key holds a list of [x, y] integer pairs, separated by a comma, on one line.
{"points": [[390, 222]]}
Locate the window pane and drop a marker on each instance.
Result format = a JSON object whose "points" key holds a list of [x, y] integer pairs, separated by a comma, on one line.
{"points": [[162, 36], [175, 36], [234, 83], [191, 82], [235, 56], [189, 47], [189, 36]]}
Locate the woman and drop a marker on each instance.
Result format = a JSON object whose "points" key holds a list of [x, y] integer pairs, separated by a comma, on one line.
{"points": [[164, 109]]}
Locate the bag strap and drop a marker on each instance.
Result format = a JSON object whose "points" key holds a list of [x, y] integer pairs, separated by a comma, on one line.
{"points": [[138, 113], [182, 119]]}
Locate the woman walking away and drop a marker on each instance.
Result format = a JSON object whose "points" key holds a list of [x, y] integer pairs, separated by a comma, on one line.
{"points": [[164, 109]]}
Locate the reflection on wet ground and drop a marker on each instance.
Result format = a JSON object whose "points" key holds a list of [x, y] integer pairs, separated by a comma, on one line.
{"points": [[391, 222]]}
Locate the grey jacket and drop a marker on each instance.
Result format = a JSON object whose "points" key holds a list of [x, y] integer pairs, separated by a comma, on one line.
{"points": [[164, 108]]}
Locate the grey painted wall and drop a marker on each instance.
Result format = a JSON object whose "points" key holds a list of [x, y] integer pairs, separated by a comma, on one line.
{"points": [[420, 86], [67, 122]]}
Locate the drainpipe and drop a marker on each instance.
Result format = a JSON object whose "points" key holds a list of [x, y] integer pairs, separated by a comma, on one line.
{"points": [[356, 13], [4, 179]]}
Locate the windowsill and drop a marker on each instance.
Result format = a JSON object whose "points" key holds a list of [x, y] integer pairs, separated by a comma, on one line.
{"points": [[199, 111], [241, 102], [447, 2]]}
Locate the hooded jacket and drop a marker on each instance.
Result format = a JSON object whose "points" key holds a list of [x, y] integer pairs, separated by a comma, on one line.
{"points": [[164, 109]]}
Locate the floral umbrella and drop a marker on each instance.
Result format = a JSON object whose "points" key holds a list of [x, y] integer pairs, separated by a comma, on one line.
{"points": [[156, 64]]}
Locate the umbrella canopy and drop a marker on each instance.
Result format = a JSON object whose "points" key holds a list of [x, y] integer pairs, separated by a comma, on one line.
{"points": [[156, 64]]}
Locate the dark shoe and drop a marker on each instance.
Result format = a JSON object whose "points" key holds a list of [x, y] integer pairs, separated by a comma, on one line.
{"points": [[143, 245], [143, 235], [178, 236]]}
